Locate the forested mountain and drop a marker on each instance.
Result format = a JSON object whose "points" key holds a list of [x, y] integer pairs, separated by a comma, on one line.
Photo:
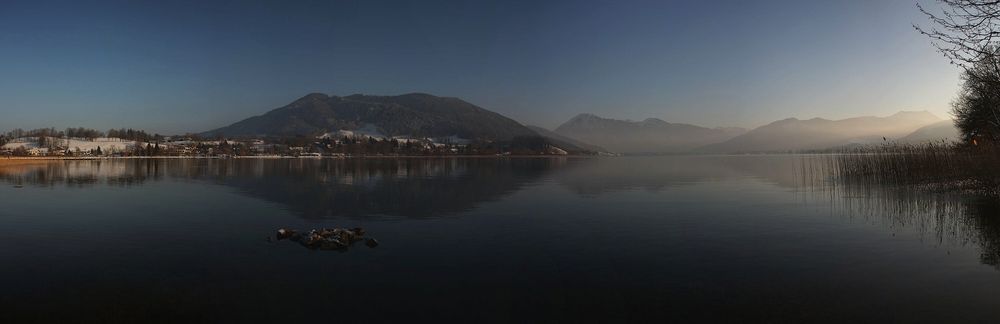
{"points": [[416, 114]]}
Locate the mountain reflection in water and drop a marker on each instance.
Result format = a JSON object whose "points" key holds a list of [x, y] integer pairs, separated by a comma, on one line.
{"points": [[324, 188], [678, 238], [315, 188]]}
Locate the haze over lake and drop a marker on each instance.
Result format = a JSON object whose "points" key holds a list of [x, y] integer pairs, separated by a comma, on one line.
{"points": [[659, 239], [452, 161]]}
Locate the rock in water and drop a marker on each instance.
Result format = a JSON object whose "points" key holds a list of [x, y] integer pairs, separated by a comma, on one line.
{"points": [[312, 240], [327, 238], [285, 233]]}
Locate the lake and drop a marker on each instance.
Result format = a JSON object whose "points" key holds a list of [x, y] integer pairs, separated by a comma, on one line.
{"points": [[644, 239]]}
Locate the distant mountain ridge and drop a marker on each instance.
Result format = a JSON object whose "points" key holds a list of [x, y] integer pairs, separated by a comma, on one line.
{"points": [[564, 142], [422, 115], [943, 131], [415, 114], [651, 135], [794, 134]]}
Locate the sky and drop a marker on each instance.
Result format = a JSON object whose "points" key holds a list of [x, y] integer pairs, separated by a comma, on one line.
{"points": [[188, 66]]}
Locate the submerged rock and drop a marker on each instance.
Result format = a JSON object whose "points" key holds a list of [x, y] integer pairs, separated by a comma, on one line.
{"points": [[285, 233], [327, 238]]}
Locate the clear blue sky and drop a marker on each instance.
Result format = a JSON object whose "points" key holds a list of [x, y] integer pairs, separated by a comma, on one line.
{"points": [[178, 66]]}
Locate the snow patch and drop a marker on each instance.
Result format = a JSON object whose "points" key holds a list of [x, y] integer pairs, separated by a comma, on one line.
{"points": [[365, 132]]}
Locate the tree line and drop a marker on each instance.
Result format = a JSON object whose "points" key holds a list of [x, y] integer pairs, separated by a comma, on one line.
{"points": [[82, 133]]}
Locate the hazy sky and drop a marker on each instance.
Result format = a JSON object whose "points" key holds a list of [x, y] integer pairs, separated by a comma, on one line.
{"points": [[176, 66]]}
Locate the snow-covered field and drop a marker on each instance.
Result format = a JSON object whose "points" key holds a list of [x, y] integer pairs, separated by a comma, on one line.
{"points": [[106, 144]]}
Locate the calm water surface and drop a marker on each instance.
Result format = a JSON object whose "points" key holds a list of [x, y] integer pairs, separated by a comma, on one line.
{"points": [[680, 239]]}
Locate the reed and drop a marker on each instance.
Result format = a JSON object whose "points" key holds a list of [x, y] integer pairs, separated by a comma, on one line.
{"points": [[933, 166]]}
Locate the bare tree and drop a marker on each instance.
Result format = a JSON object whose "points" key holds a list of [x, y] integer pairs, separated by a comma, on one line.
{"points": [[967, 32]]}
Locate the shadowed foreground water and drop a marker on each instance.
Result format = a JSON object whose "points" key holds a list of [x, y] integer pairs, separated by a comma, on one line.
{"points": [[683, 239]]}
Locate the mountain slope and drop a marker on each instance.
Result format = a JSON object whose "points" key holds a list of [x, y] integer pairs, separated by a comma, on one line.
{"points": [[564, 142], [419, 115], [944, 130], [648, 136], [817, 133]]}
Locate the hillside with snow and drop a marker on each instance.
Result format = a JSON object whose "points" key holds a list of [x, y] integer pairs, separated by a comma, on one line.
{"points": [[74, 144], [414, 115]]}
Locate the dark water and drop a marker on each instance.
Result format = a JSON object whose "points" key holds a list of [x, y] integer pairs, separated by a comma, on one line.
{"points": [[651, 239]]}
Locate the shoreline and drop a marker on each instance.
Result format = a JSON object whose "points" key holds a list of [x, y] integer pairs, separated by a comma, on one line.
{"points": [[40, 159]]}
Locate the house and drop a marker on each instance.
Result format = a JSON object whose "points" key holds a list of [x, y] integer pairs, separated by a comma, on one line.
{"points": [[265, 148], [35, 151]]}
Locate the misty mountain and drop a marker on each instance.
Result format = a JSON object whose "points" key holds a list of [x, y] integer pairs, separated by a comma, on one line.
{"points": [[564, 142], [648, 136], [793, 134], [416, 114], [944, 130]]}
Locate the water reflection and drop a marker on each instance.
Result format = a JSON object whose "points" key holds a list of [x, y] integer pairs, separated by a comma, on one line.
{"points": [[393, 187], [585, 176], [939, 218], [420, 188], [315, 189], [668, 239], [599, 176], [949, 219]]}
